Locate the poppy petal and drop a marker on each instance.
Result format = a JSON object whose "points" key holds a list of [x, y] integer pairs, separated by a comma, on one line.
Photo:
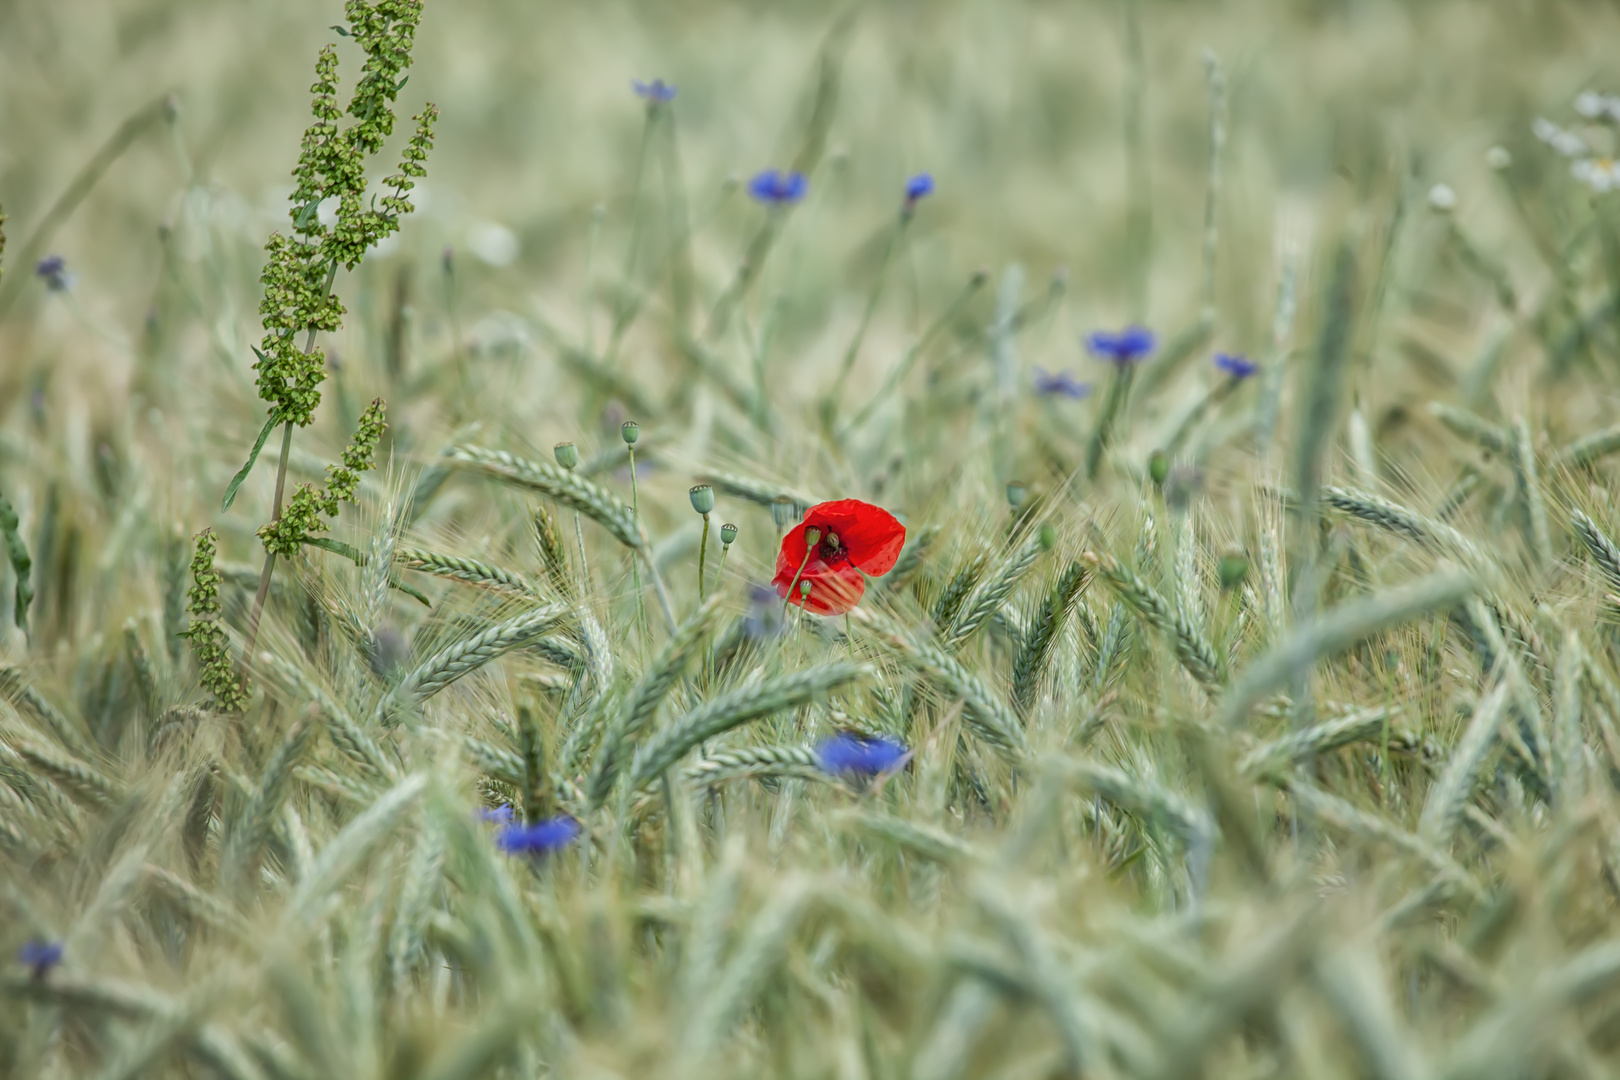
{"points": [[833, 590], [791, 553], [870, 534]]}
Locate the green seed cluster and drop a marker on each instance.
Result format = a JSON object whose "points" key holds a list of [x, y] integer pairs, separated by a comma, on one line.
{"points": [[209, 643], [306, 513], [332, 166]]}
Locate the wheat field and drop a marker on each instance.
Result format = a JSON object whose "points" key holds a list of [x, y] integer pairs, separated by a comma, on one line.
{"points": [[436, 639]]}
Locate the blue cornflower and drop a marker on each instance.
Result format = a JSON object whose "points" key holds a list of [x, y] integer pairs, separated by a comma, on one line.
{"points": [[500, 815], [549, 835], [853, 754], [53, 269], [40, 956], [779, 188], [1061, 383], [1238, 366], [918, 186], [764, 618], [657, 90], [1126, 347]]}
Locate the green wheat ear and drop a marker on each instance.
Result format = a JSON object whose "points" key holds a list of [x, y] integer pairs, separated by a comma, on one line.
{"points": [[209, 642]]}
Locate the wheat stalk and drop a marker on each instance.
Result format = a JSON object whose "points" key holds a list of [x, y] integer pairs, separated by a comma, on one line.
{"points": [[715, 717]]}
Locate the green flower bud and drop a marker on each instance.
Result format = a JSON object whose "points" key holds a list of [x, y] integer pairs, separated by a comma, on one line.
{"points": [[728, 534], [1234, 567], [783, 512], [1159, 467], [1048, 537], [567, 455], [1016, 494], [702, 496], [631, 432]]}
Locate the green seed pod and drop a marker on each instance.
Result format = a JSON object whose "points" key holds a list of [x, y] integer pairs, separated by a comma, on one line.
{"points": [[631, 432], [1016, 494], [1159, 467], [1234, 567], [728, 534], [804, 588], [567, 455], [812, 536], [1048, 537], [702, 496], [783, 512]]}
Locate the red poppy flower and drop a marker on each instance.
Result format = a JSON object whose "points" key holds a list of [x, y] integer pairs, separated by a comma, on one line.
{"points": [[856, 538]]}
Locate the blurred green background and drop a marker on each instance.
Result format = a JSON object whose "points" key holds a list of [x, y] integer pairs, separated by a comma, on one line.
{"points": [[1016, 107], [1339, 115]]}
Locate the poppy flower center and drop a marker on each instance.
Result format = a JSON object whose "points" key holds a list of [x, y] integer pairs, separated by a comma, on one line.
{"points": [[831, 550]]}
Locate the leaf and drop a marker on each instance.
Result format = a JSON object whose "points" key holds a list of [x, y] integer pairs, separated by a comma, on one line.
{"points": [[354, 555], [253, 456], [337, 547]]}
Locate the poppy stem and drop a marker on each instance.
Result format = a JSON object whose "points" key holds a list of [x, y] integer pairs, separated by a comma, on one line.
{"points": [[579, 537], [635, 568], [795, 582], [703, 552]]}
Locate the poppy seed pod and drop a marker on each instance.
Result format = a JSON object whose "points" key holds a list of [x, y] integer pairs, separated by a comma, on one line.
{"points": [[1158, 467], [631, 432], [728, 534], [1234, 567], [702, 496], [1016, 494], [783, 512], [567, 455]]}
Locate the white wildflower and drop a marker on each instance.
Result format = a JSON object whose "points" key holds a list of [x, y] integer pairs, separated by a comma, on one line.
{"points": [[1604, 108], [1602, 175]]}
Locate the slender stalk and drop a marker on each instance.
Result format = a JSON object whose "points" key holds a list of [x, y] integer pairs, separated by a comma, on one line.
{"points": [[591, 238], [263, 593], [808, 548], [1216, 81], [679, 228], [454, 315], [1139, 211], [270, 557], [703, 552], [627, 305], [1119, 391], [635, 570], [901, 370], [660, 592], [579, 537], [829, 405]]}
